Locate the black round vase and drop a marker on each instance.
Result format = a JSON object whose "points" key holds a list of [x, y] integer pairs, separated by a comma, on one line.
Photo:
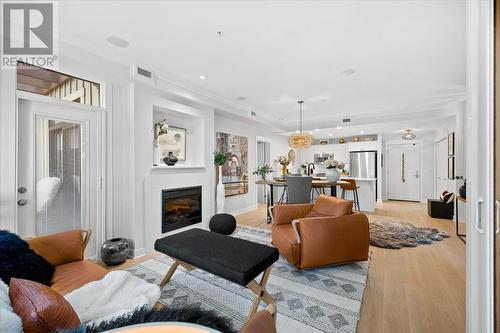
{"points": [[222, 223], [170, 160], [462, 190], [115, 251]]}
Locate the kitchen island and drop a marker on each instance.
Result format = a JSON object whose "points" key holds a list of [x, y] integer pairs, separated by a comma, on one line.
{"points": [[367, 193]]}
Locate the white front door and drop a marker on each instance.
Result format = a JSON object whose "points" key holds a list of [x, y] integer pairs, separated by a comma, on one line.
{"points": [[403, 172], [441, 166], [58, 168]]}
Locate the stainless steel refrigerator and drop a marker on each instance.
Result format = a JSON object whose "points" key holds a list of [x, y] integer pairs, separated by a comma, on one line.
{"points": [[363, 164]]}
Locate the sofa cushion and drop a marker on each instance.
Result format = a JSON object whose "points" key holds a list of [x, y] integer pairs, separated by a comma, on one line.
{"points": [[18, 260], [73, 275], [41, 308], [285, 240], [60, 248], [9, 320], [330, 206]]}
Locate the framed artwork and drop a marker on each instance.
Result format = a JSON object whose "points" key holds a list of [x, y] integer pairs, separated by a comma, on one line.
{"points": [[451, 167], [235, 171], [451, 144], [176, 141]]}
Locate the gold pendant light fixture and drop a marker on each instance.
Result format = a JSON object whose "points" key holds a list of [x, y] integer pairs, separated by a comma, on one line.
{"points": [[300, 140]]}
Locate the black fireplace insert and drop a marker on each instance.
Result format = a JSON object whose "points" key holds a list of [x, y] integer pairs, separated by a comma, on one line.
{"points": [[180, 207]]}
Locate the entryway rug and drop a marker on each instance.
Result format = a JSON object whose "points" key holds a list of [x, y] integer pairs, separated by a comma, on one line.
{"points": [[317, 300], [396, 235]]}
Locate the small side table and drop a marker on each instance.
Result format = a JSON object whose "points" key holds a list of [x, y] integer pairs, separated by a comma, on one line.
{"points": [[457, 199]]}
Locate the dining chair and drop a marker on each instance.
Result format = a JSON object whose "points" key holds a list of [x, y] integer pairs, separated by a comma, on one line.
{"points": [[298, 189]]}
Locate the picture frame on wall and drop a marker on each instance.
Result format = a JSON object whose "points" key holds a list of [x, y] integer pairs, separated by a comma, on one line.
{"points": [[451, 167], [451, 144], [176, 141]]}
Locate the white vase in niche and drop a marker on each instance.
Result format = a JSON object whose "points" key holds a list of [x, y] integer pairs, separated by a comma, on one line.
{"points": [[221, 193], [333, 174]]}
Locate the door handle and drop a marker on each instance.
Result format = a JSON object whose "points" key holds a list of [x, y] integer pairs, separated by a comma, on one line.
{"points": [[478, 216], [22, 202], [497, 217]]}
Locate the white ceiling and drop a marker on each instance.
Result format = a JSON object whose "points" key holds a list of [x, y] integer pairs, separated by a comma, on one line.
{"points": [[408, 56]]}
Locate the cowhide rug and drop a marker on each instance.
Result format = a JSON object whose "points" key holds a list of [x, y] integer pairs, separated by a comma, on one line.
{"points": [[396, 235]]}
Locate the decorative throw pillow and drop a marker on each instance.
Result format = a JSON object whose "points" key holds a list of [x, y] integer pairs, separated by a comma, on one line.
{"points": [[330, 206], [9, 320], [18, 260], [41, 308]]}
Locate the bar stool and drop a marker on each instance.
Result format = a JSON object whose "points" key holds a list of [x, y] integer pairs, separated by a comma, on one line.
{"points": [[351, 187]]}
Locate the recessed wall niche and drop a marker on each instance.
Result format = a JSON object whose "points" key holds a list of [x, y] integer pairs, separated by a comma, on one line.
{"points": [[193, 126]]}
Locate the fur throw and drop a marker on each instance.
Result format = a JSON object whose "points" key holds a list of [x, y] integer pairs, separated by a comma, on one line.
{"points": [[117, 293], [189, 314], [19, 261], [395, 235]]}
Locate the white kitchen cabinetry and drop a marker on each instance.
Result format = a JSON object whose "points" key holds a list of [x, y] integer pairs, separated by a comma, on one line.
{"points": [[363, 145]]}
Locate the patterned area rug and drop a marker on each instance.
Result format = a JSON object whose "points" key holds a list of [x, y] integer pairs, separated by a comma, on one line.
{"points": [[318, 300]]}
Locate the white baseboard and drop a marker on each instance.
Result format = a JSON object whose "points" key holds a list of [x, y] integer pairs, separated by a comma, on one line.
{"points": [[139, 252]]}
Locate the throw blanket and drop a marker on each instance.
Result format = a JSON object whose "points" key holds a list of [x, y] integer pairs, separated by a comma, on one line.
{"points": [[115, 294]]}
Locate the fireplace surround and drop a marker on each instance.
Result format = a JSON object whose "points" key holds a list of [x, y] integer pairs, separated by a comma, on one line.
{"points": [[181, 207]]}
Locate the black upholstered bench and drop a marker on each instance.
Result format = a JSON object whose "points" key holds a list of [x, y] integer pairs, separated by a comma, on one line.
{"points": [[233, 259]]}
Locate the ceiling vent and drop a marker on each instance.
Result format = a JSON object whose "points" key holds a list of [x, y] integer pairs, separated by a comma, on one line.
{"points": [[144, 75], [346, 120]]}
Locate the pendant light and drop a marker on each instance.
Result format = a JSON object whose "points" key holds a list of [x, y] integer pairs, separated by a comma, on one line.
{"points": [[408, 135], [300, 140]]}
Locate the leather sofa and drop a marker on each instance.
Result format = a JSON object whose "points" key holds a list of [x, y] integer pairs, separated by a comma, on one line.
{"points": [[319, 234], [65, 251]]}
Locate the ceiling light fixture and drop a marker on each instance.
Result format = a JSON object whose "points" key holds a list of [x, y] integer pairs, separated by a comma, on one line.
{"points": [[330, 134], [408, 135], [348, 72], [339, 127], [300, 140], [202, 77], [316, 129], [117, 41], [361, 132]]}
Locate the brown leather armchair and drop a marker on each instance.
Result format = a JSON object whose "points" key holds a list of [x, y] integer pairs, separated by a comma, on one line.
{"points": [[320, 234]]}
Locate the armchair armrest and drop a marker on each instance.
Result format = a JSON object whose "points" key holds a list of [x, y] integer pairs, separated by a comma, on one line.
{"points": [[263, 321], [63, 247], [283, 214], [327, 240]]}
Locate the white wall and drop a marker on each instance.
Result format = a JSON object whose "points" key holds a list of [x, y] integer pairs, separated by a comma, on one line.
{"points": [[279, 146]]}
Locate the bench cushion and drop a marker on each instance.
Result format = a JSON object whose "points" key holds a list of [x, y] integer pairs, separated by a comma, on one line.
{"points": [[233, 259]]}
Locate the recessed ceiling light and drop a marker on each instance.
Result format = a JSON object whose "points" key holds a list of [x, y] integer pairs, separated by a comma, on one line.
{"points": [[297, 131], [316, 129], [202, 77], [117, 41], [311, 133], [361, 132], [241, 98], [339, 127], [330, 134], [347, 72]]}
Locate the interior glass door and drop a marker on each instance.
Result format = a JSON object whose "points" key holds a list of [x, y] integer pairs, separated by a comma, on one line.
{"points": [[58, 171]]}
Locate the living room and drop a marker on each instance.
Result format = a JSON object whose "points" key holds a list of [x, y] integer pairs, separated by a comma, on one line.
{"points": [[205, 139]]}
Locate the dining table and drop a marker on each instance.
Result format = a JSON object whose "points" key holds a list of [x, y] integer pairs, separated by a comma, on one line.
{"points": [[317, 183]]}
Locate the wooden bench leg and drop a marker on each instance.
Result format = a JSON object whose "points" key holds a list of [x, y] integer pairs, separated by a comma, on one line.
{"points": [[169, 274], [259, 289]]}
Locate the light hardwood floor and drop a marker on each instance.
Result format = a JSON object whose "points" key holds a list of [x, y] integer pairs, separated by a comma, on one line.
{"points": [[418, 289]]}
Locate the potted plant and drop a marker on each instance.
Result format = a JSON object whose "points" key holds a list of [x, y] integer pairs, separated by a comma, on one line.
{"points": [[333, 169], [220, 159], [263, 170]]}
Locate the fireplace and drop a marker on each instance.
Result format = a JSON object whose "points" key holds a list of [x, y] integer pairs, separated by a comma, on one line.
{"points": [[180, 207]]}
